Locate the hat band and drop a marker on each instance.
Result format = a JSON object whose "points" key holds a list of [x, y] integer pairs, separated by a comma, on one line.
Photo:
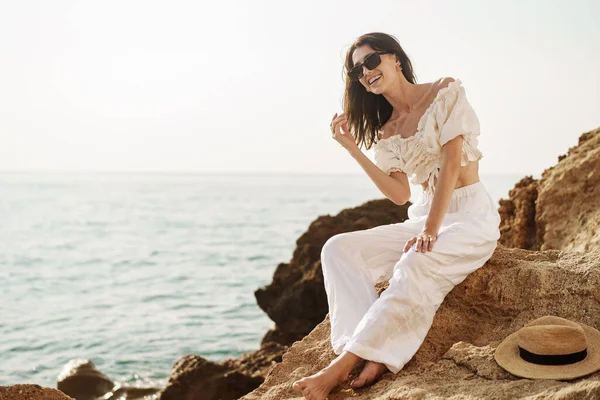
{"points": [[562, 359]]}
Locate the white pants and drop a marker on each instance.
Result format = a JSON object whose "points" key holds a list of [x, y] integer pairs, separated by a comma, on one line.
{"points": [[390, 329]]}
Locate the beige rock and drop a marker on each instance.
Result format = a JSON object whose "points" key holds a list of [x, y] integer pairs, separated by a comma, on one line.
{"points": [[562, 209], [31, 392], [456, 359], [568, 204], [479, 360]]}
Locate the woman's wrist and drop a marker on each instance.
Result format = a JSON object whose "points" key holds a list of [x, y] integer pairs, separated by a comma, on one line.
{"points": [[354, 152], [431, 229]]}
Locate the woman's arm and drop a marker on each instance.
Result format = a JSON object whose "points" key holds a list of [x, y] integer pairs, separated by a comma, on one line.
{"points": [[446, 181], [395, 186]]}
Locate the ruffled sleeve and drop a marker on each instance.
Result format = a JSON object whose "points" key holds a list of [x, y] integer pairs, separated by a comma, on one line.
{"points": [[455, 116], [387, 160]]}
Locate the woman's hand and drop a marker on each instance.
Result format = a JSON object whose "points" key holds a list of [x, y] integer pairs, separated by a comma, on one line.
{"points": [[340, 132], [424, 242]]}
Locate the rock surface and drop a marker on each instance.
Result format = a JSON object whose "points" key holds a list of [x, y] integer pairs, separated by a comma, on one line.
{"points": [[31, 392], [194, 377], [456, 359], [518, 228], [562, 209]]}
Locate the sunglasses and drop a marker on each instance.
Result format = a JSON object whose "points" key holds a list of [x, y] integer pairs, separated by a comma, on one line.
{"points": [[371, 61]]}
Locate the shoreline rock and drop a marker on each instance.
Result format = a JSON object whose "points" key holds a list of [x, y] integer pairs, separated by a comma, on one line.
{"points": [[81, 380], [31, 392]]}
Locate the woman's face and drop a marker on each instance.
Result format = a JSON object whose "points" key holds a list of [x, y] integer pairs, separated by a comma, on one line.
{"points": [[380, 77]]}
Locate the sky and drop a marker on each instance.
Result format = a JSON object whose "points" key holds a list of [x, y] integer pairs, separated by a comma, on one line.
{"points": [[251, 86]]}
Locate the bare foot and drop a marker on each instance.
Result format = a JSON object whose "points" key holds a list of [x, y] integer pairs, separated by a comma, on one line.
{"points": [[318, 386], [369, 374]]}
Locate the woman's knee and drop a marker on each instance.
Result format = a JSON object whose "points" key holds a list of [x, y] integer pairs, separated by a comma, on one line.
{"points": [[415, 265], [336, 245]]}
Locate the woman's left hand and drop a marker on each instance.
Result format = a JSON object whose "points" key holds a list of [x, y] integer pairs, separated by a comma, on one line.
{"points": [[424, 242]]}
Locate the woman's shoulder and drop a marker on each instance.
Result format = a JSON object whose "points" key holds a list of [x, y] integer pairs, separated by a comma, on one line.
{"points": [[439, 83], [447, 91], [445, 82], [437, 90]]}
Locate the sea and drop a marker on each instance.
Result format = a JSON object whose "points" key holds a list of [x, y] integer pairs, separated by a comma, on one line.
{"points": [[135, 270]]}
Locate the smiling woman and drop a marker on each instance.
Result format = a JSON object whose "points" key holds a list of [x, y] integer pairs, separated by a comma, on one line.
{"points": [[366, 111], [428, 131]]}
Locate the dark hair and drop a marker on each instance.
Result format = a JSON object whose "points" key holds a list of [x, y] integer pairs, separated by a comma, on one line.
{"points": [[367, 112]]}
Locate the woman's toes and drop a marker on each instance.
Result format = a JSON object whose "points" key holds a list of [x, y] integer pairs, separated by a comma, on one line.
{"points": [[370, 372], [358, 382]]}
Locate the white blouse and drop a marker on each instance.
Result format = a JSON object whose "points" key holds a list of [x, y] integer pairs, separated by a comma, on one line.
{"points": [[448, 116]]}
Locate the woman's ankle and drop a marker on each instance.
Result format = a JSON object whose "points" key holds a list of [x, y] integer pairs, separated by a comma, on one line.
{"points": [[344, 364]]}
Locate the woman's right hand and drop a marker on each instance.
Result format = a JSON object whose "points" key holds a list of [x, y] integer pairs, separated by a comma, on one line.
{"points": [[340, 132]]}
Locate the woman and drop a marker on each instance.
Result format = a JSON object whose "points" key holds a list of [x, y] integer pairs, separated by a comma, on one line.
{"points": [[428, 131]]}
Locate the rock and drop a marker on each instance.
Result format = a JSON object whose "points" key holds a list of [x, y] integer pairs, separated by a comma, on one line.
{"points": [[31, 392], [479, 360], [129, 393], [517, 227], [195, 378], [81, 380], [455, 360], [568, 205], [562, 209], [295, 300]]}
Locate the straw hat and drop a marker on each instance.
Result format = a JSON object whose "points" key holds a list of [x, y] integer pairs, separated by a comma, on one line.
{"points": [[551, 348]]}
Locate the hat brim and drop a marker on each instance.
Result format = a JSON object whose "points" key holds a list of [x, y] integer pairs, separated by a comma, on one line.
{"points": [[507, 356]]}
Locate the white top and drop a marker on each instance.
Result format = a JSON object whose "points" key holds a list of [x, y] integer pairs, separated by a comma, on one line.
{"points": [[448, 116]]}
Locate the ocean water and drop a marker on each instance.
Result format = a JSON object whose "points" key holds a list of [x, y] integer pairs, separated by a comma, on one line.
{"points": [[134, 271]]}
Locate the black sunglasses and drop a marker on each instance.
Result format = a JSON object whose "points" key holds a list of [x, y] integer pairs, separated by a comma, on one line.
{"points": [[371, 61]]}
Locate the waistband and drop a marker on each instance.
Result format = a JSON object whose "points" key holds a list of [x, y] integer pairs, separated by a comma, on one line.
{"points": [[463, 191]]}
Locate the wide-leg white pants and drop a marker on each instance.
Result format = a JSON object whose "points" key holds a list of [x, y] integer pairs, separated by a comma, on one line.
{"points": [[390, 329]]}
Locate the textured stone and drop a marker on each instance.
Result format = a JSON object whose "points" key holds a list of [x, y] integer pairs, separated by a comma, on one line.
{"points": [[31, 392], [195, 378], [456, 359], [562, 209]]}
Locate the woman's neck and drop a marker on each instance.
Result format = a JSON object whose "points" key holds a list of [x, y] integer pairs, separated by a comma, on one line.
{"points": [[403, 97]]}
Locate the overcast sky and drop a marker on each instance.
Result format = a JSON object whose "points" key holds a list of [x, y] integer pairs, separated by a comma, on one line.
{"points": [[247, 86]]}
